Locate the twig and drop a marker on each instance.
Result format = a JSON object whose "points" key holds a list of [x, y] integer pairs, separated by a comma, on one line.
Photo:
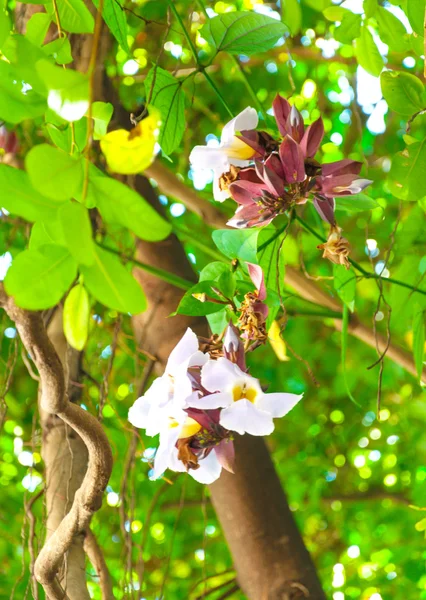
{"points": [[96, 557]]}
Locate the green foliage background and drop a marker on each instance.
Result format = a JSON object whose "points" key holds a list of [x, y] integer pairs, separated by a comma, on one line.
{"points": [[350, 479]]}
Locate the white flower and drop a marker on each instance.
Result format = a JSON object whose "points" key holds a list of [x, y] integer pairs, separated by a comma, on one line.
{"points": [[178, 428], [170, 392], [246, 408], [231, 150]]}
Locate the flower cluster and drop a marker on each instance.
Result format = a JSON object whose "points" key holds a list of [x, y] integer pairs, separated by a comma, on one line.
{"points": [[200, 403], [267, 177]]}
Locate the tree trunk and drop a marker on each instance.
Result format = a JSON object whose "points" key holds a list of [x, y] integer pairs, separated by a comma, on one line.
{"points": [[269, 554]]}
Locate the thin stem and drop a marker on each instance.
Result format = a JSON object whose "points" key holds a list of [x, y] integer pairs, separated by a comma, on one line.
{"points": [[217, 92], [162, 274], [249, 87], [358, 267], [186, 34], [92, 72]]}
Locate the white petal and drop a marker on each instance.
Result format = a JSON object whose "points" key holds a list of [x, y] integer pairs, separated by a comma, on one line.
{"points": [[164, 453], [206, 157], [218, 400], [182, 352], [244, 417], [278, 405], [208, 471], [175, 464], [139, 412], [218, 194], [198, 359], [219, 375], [247, 119], [182, 387]]}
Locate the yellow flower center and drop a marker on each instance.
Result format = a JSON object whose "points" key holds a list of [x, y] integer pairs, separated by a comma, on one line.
{"points": [[190, 427], [242, 392], [239, 149]]}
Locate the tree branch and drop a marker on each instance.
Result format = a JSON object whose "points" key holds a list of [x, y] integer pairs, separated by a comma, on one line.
{"points": [[96, 557], [54, 401]]}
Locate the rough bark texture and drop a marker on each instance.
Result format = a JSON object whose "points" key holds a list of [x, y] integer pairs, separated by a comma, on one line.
{"points": [[270, 557], [55, 404], [65, 457]]}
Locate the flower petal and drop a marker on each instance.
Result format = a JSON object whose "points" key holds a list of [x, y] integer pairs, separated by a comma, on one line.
{"points": [[247, 119], [244, 417], [225, 453], [209, 157], [243, 192], [218, 194], [139, 412], [325, 208], [278, 405], [256, 275], [165, 450], [219, 375], [217, 400], [341, 167], [251, 216], [208, 471], [281, 108], [182, 352], [294, 125], [312, 138], [292, 160]]}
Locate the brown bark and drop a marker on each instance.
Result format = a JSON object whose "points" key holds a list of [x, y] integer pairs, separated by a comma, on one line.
{"points": [[55, 405], [270, 557]]}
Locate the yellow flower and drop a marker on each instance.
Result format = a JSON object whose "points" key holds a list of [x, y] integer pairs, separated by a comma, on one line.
{"points": [[130, 152]]}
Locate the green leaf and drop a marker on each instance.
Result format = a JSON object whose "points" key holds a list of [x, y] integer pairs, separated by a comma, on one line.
{"points": [[115, 18], [344, 338], [74, 16], [20, 198], [345, 284], [416, 14], [37, 28], [407, 172], [370, 7], [200, 306], [237, 243], [391, 30], [39, 278], [101, 115], [349, 29], [165, 93], [41, 234], [335, 13], [292, 15], [15, 106], [421, 525], [356, 203], [112, 284], [268, 260], [77, 232], [68, 90], [403, 92], [418, 339], [23, 55], [76, 317], [242, 32], [54, 173], [219, 320], [223, 276], [367, 53], [118, 203], [60, 50], [5, 26]]}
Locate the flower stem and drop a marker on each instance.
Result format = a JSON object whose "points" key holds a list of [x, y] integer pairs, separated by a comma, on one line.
{"points": [[217, 92], [162, 274], [358, 267]]}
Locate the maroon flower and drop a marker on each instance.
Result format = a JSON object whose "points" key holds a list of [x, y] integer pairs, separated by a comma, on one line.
{"points": [[286, 174], [8, 141]]}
